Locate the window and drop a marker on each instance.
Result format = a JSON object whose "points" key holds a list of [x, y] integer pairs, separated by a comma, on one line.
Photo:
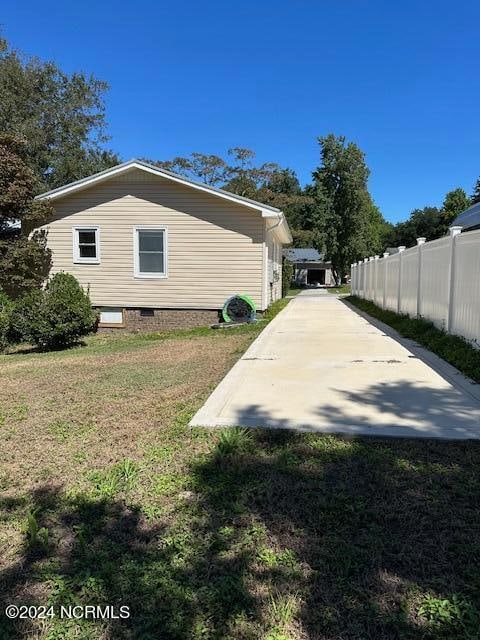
{"points": [[150, 252], [86, 245], [147, 313], [111, 316]]}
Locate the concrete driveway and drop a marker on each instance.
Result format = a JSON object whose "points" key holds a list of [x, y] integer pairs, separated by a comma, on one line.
{"points": [[322, 366]]}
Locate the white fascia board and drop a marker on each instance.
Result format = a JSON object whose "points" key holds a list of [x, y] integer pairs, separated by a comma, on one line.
{"points": [[79, 185]]}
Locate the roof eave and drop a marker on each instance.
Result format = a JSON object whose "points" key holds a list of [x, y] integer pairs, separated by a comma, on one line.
{"points": [[84, 183]]}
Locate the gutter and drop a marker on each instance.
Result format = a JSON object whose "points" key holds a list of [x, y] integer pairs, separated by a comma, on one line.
{"points": [[281, 219]]}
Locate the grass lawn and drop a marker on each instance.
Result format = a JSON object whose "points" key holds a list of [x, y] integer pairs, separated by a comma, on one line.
{"points": [[294, 291], [344, 288], [107, 497]]}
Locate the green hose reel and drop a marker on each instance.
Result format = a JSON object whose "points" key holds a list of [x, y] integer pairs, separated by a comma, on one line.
{"points": [[239, 308]]}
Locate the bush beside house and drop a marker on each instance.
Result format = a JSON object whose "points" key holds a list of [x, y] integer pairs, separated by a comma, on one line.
{"points": [[51, 318]]}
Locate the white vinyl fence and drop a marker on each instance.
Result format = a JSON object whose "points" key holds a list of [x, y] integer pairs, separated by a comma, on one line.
{"points": [[438, 280]]}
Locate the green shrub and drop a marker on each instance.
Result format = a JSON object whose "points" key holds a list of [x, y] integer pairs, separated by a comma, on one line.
{"points": [[6, 307], [287, 276], [55, 317]]}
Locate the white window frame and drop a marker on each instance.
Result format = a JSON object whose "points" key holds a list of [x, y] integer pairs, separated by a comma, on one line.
{"points": [[136, 254], [77, 259]]}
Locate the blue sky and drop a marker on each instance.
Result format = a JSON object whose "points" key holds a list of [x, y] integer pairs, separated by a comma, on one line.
{"points": [[398, 78]]}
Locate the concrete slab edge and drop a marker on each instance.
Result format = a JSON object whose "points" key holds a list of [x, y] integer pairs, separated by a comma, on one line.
{"points": [[450, 373]]}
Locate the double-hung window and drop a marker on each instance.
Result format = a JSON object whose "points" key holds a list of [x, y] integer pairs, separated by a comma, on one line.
{"points": [[86, 245], [150, 252]]}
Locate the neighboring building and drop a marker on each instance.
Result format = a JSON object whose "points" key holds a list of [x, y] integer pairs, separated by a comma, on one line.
{"points": [[310, 267], [469, 219], [156, 249]]}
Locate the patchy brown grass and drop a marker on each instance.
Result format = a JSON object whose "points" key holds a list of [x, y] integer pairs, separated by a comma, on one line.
{"points": [[75, 412], [107, 497]]}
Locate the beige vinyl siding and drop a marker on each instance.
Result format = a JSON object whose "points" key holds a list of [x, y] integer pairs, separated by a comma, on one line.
{"points": [[215, 247]]}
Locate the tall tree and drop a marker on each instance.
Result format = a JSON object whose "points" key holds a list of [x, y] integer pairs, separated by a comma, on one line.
{"points": [[280, 188], [475, 197], [455, 202], [61, 116], [350, 220], [24, 258], [268, 182], [244, 177]]}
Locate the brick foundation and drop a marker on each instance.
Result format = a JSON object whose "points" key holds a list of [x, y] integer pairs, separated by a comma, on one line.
{"points": [[166, 319]]}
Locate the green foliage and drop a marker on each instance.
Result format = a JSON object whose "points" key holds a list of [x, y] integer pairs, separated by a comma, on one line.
{"points": [[6, 307], [61, 116], [24, 264], [168, 484], [273, 559], [453, 349], [18, 185], [121, 476], [456, 612], [430, 222], [426, 223], [56, 317], [283, 609], [475, 197], [36, 535], [456, 201], [24, 261], [352, 225], [287, 276], [233, 440], [304, 238], [61, 429]]}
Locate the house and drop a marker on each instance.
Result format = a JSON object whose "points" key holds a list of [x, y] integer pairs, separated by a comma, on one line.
{"points": [[469, 219], [157, 250], [310, 267]]}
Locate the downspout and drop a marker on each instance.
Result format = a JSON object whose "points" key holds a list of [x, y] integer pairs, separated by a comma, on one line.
{"points": [[275, 226]]}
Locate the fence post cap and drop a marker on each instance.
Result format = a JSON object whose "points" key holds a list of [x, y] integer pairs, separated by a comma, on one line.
{"points": [[371, 258], [455, 230], [386, 254], [401, 248], [421, 241], [365, 259], [376, 257]]}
